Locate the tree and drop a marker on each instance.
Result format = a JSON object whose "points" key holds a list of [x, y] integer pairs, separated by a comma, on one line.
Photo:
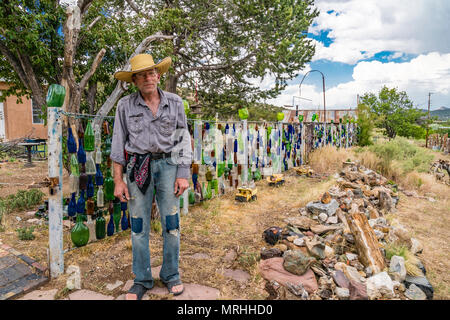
{"points": [[365, 125], [394, 112], [224, 45]]}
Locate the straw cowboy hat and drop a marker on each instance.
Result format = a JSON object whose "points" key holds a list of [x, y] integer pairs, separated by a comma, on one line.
{"points": [[142, 62]]}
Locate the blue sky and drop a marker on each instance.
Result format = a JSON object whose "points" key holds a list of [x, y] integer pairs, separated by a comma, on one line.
{"points": [[362, 45]]}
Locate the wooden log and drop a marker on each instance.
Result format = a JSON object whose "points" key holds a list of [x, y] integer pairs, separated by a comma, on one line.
{"points": [[366, 242]]}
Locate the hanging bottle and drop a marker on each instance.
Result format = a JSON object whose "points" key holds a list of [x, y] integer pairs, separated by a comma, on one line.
{"points": [[90, 187], [91, 227], [81, 153], [71, 143], [72, 207], [117, 214], [73, 183], [109, 186], [110, 228], [100, 226], [81, 203], [74, 167], [100, 197], [98, 176], [124, 222], [89, 139], [208, 174], [83, 180], [90, 164], [90, 206], [79, 233]]}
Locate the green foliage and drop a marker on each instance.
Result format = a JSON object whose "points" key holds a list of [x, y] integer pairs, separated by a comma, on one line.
{"points": [[365, 125], [155, 226], [25, 233], [394, 113], [248, 258], [23, 199], [396, 250], [410, 156]]}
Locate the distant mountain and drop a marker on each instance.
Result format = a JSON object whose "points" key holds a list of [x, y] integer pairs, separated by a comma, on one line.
{"points": [[443, 113]]}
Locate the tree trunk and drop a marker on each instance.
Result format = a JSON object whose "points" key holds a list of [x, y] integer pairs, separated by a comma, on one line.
{"points": [[171, 83], [90, 96]]}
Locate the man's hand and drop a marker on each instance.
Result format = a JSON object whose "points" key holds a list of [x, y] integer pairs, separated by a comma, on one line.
{"points": [[181, 184], [121, 189]]}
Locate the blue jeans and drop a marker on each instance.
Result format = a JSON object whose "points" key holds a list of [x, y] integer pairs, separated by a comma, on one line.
{"points": [[163, 173]]}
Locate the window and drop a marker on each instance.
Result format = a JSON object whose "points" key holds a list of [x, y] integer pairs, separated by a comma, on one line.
{"points": [[36, 114]]}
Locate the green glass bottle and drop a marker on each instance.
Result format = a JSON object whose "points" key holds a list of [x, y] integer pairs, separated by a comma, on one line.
{"points": [[109, 185], [100, 225], [74, 167], [117, 214], [80, 232], [191, 197], [89, 138]]}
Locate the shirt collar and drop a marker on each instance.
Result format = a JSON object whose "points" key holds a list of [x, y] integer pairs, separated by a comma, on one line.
{"points": [[163, 99]]}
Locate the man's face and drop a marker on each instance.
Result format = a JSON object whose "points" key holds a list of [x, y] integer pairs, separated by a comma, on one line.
{"points": [[147, 80]]}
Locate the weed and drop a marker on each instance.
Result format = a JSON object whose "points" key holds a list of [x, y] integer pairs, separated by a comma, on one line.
{"points": [[155, 226], [25, 233], [248, 258], [64, 292]]}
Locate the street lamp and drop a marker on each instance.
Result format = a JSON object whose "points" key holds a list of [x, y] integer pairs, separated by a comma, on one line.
{"points": [[296, 109], [323, 87]]}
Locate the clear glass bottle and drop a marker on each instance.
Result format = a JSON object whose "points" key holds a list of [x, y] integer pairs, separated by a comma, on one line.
{"points": [[73, 183], [90, 163], [100, 197]]}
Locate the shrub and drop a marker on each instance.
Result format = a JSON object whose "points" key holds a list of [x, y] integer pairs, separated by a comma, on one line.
{"points": [[25, 233]]}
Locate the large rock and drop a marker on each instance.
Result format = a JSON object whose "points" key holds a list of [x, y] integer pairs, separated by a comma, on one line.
{"points": [[414, 293], [422, 283], [272, 269], [379, 286], [397, 268], [74, 279], [296, 262], [317, 207], [320, 228], [366, 242], [302, 222]]}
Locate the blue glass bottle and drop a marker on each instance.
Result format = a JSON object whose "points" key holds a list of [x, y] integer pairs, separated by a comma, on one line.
{"points": [[81, 203], [71, 143], [90, 187], [72, 208], [124, 221], [81, 153], [110, 227], [98, 176]]}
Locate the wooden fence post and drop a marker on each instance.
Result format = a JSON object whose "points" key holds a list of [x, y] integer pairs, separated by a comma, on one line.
{"points": [[55, 200]]}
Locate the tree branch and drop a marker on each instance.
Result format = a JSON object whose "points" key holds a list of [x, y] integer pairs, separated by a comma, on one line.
{"points": [[94, 67], [135, 8], [15, 64]]}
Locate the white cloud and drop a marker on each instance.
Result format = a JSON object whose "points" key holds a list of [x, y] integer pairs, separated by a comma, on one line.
{"points": [[371, 26], [423, 74]]}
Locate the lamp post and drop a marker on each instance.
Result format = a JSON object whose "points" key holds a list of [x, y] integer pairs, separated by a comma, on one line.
{"points": [[323, 87], [296, 109]]}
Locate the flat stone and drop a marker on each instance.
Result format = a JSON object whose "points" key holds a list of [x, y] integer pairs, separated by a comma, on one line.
{"points": [[317, 207], [332, 220], [238, 275], [40, 295], [272, 269], [36, 221], [416, 246], [302, 222], [112, 286], [299, 242], [191, 292], [271, 253], [88, 295], [414, 293], [74, 279], [320, 228]]}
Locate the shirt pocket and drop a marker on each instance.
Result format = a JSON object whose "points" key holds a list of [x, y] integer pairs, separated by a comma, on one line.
{"points": [[168, 125], [136, 122]]}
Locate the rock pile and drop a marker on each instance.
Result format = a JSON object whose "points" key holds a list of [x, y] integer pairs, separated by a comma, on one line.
{"points": [[340, 247]]}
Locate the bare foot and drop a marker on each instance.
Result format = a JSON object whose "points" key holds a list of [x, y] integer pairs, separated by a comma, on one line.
{"points": [[131, 296], [177, 288]]}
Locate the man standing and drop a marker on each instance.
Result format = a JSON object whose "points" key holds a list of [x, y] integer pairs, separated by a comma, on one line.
{"points": [[150, 125]]}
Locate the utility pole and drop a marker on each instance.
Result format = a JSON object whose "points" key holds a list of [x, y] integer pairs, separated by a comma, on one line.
{"points": [[428, 121]]}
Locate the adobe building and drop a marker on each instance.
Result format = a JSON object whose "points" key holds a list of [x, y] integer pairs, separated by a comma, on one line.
{"points": [[20, 120]]}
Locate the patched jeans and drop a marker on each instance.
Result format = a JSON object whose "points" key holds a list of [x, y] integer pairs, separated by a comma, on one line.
{"points": [[163, 173]]}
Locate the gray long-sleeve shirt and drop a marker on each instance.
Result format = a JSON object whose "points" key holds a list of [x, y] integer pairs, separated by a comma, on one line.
{"points": [[136, 130]]}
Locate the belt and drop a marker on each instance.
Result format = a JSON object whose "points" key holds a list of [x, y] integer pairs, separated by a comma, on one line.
{"points": [[155, 155]]}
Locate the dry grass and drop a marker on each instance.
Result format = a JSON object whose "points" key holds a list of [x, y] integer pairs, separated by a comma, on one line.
{"points": [[329, 159]]}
